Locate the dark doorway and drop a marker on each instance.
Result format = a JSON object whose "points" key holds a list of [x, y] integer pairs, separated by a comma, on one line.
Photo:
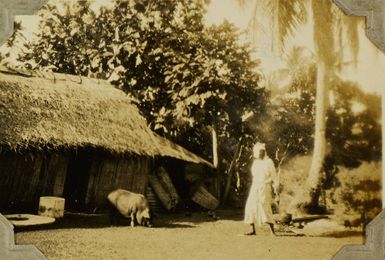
{"points": [[75, 187]]}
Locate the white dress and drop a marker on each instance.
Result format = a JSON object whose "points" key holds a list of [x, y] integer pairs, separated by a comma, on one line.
{"points": [[258, 204]]}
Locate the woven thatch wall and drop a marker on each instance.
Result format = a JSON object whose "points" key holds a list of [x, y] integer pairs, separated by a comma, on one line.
{"points": [[26, 177], [107, 174]]}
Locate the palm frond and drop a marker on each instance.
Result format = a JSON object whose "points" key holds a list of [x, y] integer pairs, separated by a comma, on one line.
{"points": [[352, 24], [346, 37], [298, 56], [285, 16], [243, 3], [290, 14], [332, 29]]}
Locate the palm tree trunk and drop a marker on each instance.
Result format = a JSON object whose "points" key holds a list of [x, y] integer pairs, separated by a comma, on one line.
{"points": [[320, 126], [310, 195], [324, 43]]}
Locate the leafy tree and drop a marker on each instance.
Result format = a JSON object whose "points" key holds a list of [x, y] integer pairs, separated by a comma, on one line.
{"points": [[216, 85], [288, 126], [328, 23], [293, 112], [183, 76], [353, 122], [353, 126]]}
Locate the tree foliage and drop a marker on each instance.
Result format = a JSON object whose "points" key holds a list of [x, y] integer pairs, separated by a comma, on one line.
{"points": [[185, 77], [182, 75], [353, 121], [327, 37], [354, 128]]}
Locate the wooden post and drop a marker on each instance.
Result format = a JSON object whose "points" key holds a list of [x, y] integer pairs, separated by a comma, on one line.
{"points": [[215, 161], [215, 147]]}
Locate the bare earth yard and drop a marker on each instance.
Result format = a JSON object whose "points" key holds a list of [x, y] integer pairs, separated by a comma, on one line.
{"points": [[177, 237]]}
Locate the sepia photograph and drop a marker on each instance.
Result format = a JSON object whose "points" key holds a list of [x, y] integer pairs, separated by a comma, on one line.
{"points": [[190, 129]]}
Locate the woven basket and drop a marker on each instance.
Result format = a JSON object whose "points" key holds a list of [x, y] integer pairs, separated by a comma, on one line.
{"points": [[204, 198], [160, 192], [153, 200], [166, 182]]}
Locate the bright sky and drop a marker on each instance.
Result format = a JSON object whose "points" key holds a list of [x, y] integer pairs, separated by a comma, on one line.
{"points": [[371, 62], [227, 9]]}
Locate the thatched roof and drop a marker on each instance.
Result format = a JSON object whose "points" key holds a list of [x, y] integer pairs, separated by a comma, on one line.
{"points": [[58, 111]]}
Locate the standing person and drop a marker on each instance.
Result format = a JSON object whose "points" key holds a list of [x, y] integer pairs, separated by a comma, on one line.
{"points": [[258, 206]]}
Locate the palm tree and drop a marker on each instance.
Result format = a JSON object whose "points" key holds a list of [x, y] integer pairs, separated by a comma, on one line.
{"points": [[329, 26]]}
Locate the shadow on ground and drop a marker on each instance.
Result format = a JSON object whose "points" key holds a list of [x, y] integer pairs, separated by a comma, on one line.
{"points": [[95, 221], [161, 220], [181, 220], [346, 233], [72, 220]]}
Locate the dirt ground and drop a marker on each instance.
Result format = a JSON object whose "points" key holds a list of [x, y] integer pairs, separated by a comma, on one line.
{"points": [[178, 236]]}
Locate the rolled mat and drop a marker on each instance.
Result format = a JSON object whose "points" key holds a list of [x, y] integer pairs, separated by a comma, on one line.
{"points": [[160, 192], [166, 182], [204, 198]]}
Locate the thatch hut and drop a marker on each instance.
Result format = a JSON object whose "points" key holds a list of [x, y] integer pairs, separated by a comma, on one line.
{"points": [[73, 137]]}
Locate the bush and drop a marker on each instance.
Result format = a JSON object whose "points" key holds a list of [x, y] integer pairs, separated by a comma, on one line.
{"points": [[355, 198], [358, 197], [293, 175]]}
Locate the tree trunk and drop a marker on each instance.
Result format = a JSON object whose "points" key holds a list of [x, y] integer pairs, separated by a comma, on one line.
{"points": [[310, 194], [320, 126], [215, 147], [383, 147], [230, 172], [324, 46]]}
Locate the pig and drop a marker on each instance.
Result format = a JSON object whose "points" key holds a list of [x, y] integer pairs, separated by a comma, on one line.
{"points": [[129, 205]]}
